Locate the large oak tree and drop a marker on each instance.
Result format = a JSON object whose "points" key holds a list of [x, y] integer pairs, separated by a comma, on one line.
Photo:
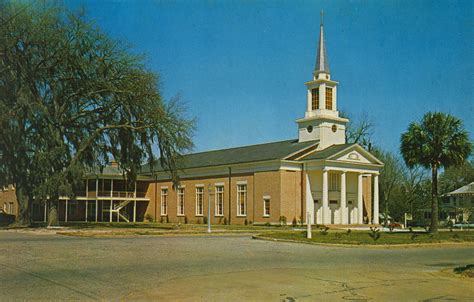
{"points": [[72, 99]]}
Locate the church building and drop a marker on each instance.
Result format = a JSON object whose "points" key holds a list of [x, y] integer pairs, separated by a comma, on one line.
{"points": [[317, 174], [316, 178]]}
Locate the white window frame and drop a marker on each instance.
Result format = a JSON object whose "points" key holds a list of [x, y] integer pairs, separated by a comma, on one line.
{"points": [[164, 201], [200, 200], [266, 200], [219, 192], [241, 188], [181, 201]]}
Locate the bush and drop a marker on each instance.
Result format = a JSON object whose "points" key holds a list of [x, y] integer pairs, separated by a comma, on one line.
{"points": [[185, 219], [267, 224], [349, 231], [294, 222], [204, 219], [246, 222], [149, 218], [324, 230], [374, 233], [167, 219], [225, 220], [282, 220], [250, 222]]}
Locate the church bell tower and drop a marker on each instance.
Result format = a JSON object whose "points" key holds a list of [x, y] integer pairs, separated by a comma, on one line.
{"points": [[321, 121]]}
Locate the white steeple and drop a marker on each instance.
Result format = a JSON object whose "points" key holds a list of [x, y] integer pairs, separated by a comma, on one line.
{"points": [[322, 121]]}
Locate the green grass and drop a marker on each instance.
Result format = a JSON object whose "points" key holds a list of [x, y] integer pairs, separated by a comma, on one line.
{"points": [[363, 237]]}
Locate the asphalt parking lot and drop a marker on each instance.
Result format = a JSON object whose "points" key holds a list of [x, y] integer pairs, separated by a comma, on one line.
{"points": [[223, 268]]}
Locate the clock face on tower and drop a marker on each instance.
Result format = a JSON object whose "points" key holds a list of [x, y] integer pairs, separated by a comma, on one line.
{"points": [[309, 129]]}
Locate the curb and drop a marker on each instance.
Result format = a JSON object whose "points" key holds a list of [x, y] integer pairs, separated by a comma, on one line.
{"points": [[381, 246]]}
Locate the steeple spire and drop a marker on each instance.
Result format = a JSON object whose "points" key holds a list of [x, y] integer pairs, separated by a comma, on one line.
{"points": [[322, 64]]}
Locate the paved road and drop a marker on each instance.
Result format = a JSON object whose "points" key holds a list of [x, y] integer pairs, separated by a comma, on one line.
{"points": [[46, 266]]}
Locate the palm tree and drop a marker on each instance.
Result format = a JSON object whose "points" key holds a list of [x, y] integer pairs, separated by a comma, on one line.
{"points": [[439, 140]]}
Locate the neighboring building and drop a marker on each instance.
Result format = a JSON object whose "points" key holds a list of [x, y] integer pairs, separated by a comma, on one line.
{"points": [[459, 204], [316, 174]]}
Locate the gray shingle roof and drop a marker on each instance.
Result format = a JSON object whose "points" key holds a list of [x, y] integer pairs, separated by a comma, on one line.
{"points": [[246, 154], [465, 190]]}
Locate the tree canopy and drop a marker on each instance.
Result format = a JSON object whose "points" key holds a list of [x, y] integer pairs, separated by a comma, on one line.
{"points": [[439, 140], [72, 99]]}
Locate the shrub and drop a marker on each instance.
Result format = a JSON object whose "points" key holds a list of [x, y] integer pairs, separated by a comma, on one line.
{"points": [[246, 222], [374, 233], [413, 236], [294, 222], [282, 220], [149, 218], [324, 230], [349, 231], [250, 222], [267, 224], [167, 219], [185, 219], [204, 219]]}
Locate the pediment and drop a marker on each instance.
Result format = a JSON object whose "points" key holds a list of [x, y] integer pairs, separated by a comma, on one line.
{"points": [[356, 154]]}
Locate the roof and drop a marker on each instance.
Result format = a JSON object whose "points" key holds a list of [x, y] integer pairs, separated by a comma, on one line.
{"points": [[465, 190], [328, 152], [253, 153]]}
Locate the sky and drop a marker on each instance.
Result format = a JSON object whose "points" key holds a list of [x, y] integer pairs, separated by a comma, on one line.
{"points": [[240, 66]]}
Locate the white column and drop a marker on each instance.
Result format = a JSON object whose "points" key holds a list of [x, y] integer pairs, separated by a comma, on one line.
{"points": [[96, 196], [309, 101], [87, 187], [65, 216], [325, 208], [134, 211], [343, 213], [45, 210], [309, 201], [110, 218], [111, 187], [360, 207], [376, 199], [87, 206], [322, 96]]}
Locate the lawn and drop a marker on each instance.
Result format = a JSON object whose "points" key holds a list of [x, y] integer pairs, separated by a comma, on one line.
{"points": [[364, 237]]}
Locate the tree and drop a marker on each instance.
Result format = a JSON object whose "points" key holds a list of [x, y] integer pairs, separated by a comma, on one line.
{"points": [[359, 131], [390, 176], [439, 140], [71, 100]]}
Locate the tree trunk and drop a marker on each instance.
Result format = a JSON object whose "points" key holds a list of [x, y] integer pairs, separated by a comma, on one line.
{"points": [[53, 219], [23, 218], [434, 199]]}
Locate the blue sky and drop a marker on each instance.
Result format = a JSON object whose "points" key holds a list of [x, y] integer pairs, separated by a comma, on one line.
{"points": [[241, 66]]}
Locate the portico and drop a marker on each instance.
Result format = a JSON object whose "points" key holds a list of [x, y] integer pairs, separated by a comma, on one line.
{"points": [[343, 187]]}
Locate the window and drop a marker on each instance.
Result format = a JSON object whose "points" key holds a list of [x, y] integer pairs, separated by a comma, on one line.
{"points": [[333, 202], [72, 208], [328, 98], [334, 181], [199, 201], [181, 201], [91, 206], [241, 200], [315, 99], [219, 200], [266, 207], [164, 201]]}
